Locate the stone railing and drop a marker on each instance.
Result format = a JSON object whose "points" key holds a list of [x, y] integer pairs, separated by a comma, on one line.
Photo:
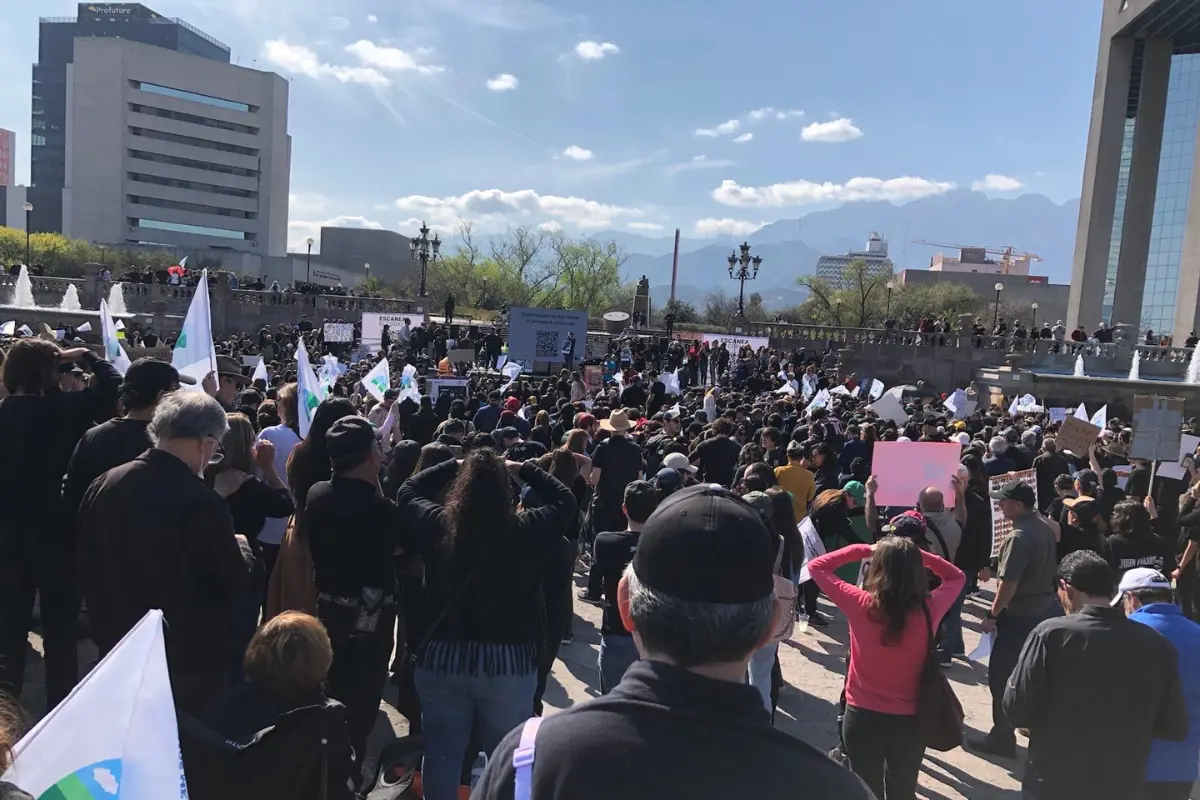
{"points": [[1152, 352]]}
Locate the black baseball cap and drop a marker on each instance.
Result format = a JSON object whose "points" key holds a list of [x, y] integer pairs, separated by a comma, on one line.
{"points": [[149, 376], [349, 440], [509, 433], [1017, 490], [705, 544]]}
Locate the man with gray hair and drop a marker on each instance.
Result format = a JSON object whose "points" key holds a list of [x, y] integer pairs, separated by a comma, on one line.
{"points": [[997, 462], [152, 535], [698, 599]]}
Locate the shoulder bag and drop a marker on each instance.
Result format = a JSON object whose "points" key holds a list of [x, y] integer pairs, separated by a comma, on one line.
{"points": [[939, 713], [785, 601]]}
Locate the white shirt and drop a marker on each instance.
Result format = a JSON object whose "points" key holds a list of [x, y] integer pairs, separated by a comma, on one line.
{"points": [[285, 440], [404, 333]]}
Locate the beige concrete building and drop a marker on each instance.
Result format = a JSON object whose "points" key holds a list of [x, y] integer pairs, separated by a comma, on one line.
{"points": [[1137, 252]]}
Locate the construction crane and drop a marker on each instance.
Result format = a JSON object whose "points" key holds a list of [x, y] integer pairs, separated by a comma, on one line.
{"points": [[1007, 255]]}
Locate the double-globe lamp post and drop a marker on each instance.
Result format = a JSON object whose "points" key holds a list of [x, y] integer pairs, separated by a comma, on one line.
{"points": [[740, 267], [425, 250], [28, 214]]}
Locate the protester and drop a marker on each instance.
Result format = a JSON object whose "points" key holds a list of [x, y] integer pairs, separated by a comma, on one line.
{"points": [[1093, 683], [284, 436]]}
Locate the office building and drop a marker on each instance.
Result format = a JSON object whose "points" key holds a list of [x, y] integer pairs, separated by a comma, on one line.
{"points": [[1138, 226], [976, 259], [834, 268], [8, 158], [169, 149], [12, 206], [56, 52], [1019, 295]]}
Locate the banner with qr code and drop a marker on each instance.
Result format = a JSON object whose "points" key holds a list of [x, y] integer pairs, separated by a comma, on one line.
{"points": [[540, 334], [1001, 527]]}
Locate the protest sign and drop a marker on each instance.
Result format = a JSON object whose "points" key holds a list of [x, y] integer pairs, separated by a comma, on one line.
{"points": [[537, 334], [890, 406], [338, 332], [1076, 435], [1123, 471], [115, 735], [593, 378], [457, 388], [1058, 414], [1157, 423], [1001, 527], [813, 546], [904, 469], [734, 343], [1178, 469]]}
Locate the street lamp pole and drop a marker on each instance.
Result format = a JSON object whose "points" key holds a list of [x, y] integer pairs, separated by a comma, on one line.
{"points": [[308, 260], [740, 267], [890, 285], [425, 250], [999, 287], [28, 213]]}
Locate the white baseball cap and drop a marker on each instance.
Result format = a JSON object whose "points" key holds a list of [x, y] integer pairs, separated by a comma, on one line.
{"points": [[1141, 578], [678, 461]]}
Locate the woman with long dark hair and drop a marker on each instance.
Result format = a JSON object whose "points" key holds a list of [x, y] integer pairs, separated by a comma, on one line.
{"points": [[477, 668], [1133, 542], [309, 462], [891, 621]]}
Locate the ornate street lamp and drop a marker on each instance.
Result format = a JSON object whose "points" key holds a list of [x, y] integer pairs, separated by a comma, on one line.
{"points": [[890, 285], [999, 287], [743, 268], [308, 259], [28, 206], [425, 250]]}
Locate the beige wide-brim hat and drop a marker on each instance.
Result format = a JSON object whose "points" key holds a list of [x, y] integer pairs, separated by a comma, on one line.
{"points": [[617, 421]]}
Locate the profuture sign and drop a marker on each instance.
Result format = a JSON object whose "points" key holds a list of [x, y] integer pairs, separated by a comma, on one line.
{"points": [[115, 10]]}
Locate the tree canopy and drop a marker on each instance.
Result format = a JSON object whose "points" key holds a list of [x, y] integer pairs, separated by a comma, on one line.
{"points": [[862, 301]]}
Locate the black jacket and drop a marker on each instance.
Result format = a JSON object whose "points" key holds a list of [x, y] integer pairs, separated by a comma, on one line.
{"points": [[1094, 688], [665, 732], [152, 535], [107, 445]]}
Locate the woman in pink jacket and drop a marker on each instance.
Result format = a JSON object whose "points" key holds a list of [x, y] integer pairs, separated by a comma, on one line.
{"points": [[889, 643]]}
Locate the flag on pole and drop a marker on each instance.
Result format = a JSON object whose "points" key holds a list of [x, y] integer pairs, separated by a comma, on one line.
{"points": [[194, 354], [1081, 413], [511, 370], [378, 380], [115, 735], [311, 391], [260, 372], [113, 352], [876, 389], [1100, 418], [9, 328], [84, 328], [408, 385]]}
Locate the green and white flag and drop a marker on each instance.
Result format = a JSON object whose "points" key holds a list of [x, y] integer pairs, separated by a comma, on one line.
{"points": [[378, 380], [311, 390], [194, 354], [113, 352]]}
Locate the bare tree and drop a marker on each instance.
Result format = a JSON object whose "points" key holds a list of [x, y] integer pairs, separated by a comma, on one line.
{"points": [[720, 309]]}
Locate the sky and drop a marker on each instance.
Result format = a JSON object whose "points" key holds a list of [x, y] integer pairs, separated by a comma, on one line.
{"points": [[715, 117]]}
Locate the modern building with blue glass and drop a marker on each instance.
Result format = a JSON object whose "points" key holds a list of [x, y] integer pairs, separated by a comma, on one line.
{"points": [[159, 139], [1137, 252]]}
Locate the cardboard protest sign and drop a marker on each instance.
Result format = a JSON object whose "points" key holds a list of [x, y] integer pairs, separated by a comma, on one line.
{"points": [[1001, 527], [1178, 469], [813, 546], [1157, 423], [1076, 435], [904, 469], [593, 378]]}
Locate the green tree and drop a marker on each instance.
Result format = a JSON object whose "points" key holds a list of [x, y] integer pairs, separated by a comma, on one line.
{"points": [[586, 273], [942, 300], [720, 309], [685, 313], [858, 300]]}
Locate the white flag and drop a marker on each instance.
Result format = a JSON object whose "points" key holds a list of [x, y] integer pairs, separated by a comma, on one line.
{"points": [[501, 361], [260, 372], [822, 400], [1081, 413], [25, 330], [113, 352], [311, 390], [955, 402], [512, 371], [408, 385], [840, 390], [891, 406], [876, 389], [1012, 409], [9, 328], [115, 735], [84, 328], [378, 380], [670, 382], [194, 353], [1100, 418]]}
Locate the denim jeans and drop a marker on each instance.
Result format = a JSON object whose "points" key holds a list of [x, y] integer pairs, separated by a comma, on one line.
{"points": [[952, 630], [451, 705], [759, 671], [616, 654]]}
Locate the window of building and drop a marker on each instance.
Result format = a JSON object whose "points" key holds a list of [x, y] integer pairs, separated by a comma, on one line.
{"points": [[197, 208], [195, 186], [192, 163], [167, 91], [37, 140], [192, 119], [193, 141], [198, 230]]}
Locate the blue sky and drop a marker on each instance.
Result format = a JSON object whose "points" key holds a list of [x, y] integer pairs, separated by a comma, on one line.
{"points": [[714, 116]]}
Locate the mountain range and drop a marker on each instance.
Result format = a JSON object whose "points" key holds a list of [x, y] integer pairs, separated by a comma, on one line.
{"points": [[790, 247]]}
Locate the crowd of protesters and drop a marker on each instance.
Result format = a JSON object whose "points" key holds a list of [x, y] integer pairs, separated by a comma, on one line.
{"points": [[433, 545]]}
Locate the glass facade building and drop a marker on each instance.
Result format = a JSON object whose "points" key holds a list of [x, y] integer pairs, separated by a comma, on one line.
{"points": [[56, 46]]}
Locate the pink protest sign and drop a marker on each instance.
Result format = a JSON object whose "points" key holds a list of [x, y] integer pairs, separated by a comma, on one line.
{"points": [[903, 469]]}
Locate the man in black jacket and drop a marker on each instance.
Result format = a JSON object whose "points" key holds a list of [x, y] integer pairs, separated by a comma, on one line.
{"points": [[40, 426], [153, 535], [683, 714]]}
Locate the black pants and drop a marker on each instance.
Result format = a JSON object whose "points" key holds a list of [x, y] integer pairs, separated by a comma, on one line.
{"points": [[45, 569], [359, 670], [885, 750], [811, 592], [559, 607], [1178, 790], [1011, 633]]}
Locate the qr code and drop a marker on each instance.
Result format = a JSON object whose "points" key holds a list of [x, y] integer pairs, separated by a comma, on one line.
{"points": [[546, 345]]}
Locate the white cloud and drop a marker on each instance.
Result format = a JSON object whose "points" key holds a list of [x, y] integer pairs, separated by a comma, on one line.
{"points": [[372, 18], [796, 193], [299, 231], [745, 137], [494, 209], [698, 163], [790, 113], [645, 227], [553, 226], [724, 129], [504, 82], [996, 183], [302, 61], [594, 51], [577, 153], [391, 59], [761, 113], [838, 130], [106, 780], [716, 227]]}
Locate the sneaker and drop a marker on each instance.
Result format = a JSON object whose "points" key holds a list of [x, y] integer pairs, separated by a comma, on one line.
{"points": [[988, 746], [838, 756], [819, 620], [587, 598]]}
